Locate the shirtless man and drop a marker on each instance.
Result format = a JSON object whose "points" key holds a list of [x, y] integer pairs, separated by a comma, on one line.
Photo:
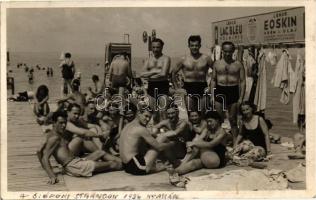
{"points": [[176, 130], [195, 68], [132, 138], [97, 87], [78, 131], [229, 84], [57, 145], [119, 71], [156, 70], [76, 96]]}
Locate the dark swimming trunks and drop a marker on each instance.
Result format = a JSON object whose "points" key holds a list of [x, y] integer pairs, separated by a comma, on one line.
{"points": [[136, 166], [161, 86], [118, 81], [195, 88], [220, 150], [229, 93]]}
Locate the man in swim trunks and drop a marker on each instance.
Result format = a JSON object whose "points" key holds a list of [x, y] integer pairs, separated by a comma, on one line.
{"points": [[120, 69], [229, 83], [195, 67], [57, 146], [133, 136], [68, 71], [156, 70]]}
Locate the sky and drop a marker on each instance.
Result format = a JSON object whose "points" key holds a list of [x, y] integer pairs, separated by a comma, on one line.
{"points": [[85, 31]]}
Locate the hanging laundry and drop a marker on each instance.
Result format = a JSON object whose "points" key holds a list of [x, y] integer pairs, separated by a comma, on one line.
{"points": [[299, 89], [235, 55], [271, 58], [248, 62], [260, 99], [282, 76], [218, 51]]}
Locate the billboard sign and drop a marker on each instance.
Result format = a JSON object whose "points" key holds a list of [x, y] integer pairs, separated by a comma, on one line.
{"points": [[275, 27]]}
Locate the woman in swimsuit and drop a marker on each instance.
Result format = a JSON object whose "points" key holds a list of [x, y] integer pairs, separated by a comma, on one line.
{"points": [[254, 128], [211, 146]]}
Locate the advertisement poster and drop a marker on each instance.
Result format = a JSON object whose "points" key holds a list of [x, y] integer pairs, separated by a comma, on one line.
{"points": [[275, 27]]}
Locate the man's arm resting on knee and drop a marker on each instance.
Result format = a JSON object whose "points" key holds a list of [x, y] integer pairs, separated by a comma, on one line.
{"points": [[154, 143], [178, 131], [80, 131]]}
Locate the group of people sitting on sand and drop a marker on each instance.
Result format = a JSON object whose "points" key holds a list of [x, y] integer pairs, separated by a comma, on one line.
{"points": [[140, 130]]}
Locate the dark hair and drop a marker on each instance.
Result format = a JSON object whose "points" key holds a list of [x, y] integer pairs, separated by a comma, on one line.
{"points": [[72, 105], [75, 84], [214, 115], [248, 103], [42, 92], [142, 107], [67, 55], [158, 40], [194, 38], [58, 114], [130, 106], [192, 111], [95, 77], [228, 43], [91, 101], [172, 105]]}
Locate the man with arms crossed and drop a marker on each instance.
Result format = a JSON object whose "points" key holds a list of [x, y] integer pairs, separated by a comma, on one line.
{"points": [[194, 67], [57, 146], [228, 81], [156, 69]]}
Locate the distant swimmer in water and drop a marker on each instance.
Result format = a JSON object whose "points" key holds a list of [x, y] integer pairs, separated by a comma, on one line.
{"points": [[31, 76], [195, 67], [68, 71], [156, 70]]}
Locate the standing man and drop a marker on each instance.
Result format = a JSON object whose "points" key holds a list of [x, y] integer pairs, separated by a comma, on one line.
{"points": [[194, 67], [229, 83], [156, 70], [68, 71]]}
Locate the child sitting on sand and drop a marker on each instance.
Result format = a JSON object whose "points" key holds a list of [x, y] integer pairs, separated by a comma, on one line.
{"points": [[41, 107]]}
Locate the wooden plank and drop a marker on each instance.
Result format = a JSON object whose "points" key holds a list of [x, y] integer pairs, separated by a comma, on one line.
{"points": [[24, 138]]}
